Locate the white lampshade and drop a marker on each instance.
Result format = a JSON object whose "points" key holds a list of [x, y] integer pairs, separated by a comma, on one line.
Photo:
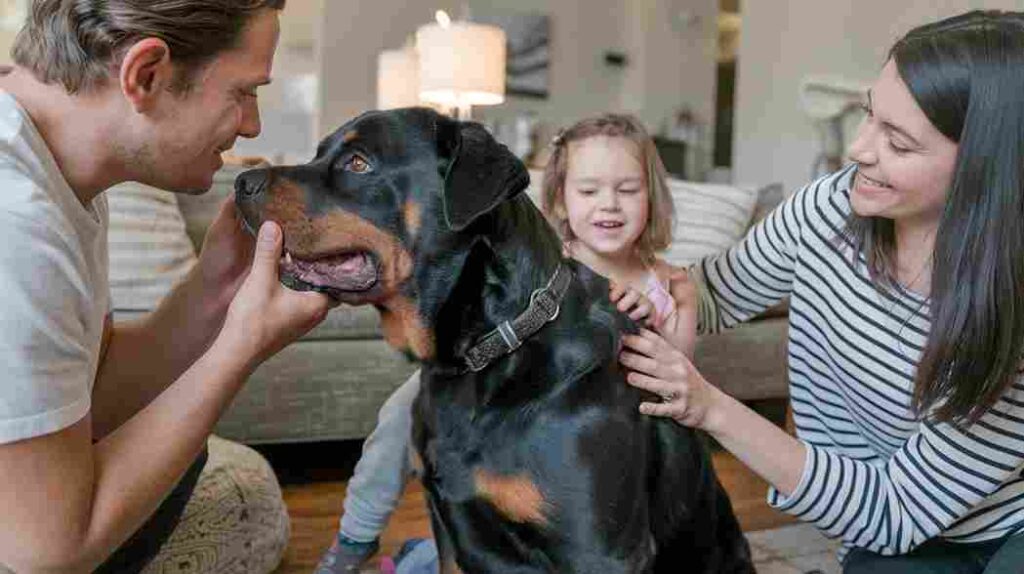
{"points": [[461, 64], [398, 83]]}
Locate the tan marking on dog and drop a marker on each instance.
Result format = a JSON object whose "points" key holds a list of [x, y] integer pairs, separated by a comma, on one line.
{"points": [[413, 218], [403, 329], [515, 497], [337, 231], [349, 136]]}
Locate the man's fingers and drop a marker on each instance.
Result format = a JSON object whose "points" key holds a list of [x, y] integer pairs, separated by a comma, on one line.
{"points": [[268, 252]]}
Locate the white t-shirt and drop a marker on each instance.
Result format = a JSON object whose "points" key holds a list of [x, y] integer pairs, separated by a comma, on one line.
{"points": [[54, 291]]}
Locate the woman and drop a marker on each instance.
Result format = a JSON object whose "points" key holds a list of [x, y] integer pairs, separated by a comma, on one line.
{"points": [[905, 273]]}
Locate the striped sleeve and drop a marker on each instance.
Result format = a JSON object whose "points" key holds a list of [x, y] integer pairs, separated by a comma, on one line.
{"points": [[943, 476], [757, 273]]}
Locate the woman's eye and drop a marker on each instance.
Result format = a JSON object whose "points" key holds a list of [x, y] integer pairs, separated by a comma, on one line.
{"points": [[586, 191], [628, 190], [357, 165]]}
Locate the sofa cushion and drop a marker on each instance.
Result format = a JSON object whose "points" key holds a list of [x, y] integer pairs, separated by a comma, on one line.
{"points": [[149, 251], [747, 362], [316, 390]]}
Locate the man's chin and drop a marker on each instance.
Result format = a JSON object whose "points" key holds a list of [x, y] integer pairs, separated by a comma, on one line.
{"points": [[196, 186]]}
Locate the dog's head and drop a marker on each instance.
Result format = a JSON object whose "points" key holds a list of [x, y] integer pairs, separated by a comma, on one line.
{"points": [[388, 196]]}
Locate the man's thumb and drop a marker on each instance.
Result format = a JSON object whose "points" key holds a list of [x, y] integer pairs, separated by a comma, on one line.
{"points": [[268, 250]]}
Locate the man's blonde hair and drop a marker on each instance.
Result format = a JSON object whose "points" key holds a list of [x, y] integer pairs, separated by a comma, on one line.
{"points": [[79, 43], [657, 234]]}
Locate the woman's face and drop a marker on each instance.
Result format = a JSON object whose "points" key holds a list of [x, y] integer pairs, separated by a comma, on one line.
{"points": [[904, 163]]}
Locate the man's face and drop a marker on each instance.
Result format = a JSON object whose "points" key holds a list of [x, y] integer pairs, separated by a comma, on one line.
{"points": [[187, 138]]}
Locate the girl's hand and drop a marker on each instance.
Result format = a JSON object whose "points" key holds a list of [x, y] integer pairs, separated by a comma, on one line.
{"points": [[656, 366], [633, 303]]}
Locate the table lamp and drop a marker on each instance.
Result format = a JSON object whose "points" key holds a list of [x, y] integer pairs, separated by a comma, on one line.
{"points": [[461, 64]]}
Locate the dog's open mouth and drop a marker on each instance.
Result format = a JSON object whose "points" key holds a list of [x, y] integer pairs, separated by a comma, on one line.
{"points": [[335, 275]]}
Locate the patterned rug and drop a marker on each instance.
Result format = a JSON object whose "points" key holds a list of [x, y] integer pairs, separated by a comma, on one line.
{"points": [[795, 549]]}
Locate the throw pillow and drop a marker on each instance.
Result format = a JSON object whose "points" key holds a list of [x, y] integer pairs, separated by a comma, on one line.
{"points": [[149, 250], [710, 218]]}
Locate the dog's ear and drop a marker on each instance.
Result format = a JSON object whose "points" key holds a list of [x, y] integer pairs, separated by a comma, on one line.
{"points": [[478, 172]]}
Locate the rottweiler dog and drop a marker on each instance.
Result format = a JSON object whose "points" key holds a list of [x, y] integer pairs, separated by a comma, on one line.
{"points": [[534, 455]]}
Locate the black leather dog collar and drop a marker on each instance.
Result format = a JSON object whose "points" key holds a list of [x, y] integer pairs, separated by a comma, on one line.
{"points": [[544, 306]]}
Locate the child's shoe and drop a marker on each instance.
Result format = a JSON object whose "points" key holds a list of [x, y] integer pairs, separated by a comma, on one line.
{"points": [[345, 556]]}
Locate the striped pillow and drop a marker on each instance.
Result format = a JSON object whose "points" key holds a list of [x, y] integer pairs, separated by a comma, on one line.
{"points": [[149, 250], [710, 218]]}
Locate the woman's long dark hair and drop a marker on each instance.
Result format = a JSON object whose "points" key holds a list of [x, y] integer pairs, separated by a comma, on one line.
{"points": [[967, 75]]}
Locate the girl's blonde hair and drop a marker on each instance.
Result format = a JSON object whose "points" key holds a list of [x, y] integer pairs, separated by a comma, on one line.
{"points": [[657, 234]]}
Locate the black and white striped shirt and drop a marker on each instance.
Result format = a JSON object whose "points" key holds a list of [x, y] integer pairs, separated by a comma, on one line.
{"points": [[876, 475]]}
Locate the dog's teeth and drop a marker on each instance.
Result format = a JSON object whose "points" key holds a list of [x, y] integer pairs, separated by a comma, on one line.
{"points": [[287, 257]]}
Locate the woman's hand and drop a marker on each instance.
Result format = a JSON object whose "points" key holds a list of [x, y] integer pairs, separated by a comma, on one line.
{"points": [[633, 303], [656, 366]]}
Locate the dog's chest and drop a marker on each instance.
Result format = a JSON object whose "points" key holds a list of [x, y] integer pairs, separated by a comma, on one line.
{"points": [[463, 448]]}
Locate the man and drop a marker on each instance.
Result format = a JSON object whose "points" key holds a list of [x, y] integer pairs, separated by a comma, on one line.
{"points": [[103, 427]]}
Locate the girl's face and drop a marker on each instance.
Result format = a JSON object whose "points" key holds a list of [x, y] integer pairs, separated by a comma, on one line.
{"points": [[904, 163], [606, 199]]}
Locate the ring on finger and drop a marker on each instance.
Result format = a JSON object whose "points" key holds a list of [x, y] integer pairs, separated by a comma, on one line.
{"points": [[668, 396]]}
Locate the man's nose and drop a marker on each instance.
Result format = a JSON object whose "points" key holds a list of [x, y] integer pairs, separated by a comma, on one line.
{"points": [[250, 126]]}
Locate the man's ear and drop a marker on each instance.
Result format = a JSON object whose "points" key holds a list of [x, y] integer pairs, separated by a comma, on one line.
{"points": [[146, 72], [478, 172]]}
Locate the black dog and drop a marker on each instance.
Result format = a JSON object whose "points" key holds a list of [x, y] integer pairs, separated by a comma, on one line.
{"points": [[535, 458]]}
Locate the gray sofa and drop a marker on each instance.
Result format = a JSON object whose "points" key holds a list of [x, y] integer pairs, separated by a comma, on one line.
{"points": [[330, 384]]}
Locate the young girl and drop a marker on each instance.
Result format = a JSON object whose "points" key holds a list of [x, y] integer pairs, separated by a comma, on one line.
{"points": [[604, 189], [905, 273]]}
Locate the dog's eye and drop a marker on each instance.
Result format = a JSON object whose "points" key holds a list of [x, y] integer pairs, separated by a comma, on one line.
{"points": [[356, 164]]}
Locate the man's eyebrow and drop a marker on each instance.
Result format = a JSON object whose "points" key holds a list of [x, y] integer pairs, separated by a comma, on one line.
{"points": [[893, 127]]}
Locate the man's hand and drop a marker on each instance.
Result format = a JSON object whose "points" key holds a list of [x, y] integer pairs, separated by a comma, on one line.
{"points": [[265, 315], [225, 258]]}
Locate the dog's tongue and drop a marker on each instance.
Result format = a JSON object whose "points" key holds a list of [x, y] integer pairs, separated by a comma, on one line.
{"points": [[350, 272]]}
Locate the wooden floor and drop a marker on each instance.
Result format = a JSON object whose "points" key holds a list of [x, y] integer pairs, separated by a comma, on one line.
{"points": [[315, 506]]}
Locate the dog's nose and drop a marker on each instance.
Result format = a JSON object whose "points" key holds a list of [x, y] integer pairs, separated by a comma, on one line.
{"points": [[251, 184]]}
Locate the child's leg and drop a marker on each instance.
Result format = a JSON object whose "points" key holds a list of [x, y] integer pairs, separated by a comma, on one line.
{"points": [[376, 485], [380, 475]]}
